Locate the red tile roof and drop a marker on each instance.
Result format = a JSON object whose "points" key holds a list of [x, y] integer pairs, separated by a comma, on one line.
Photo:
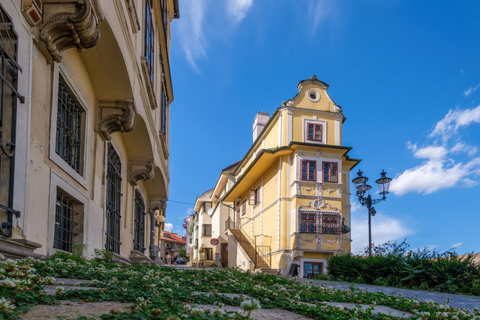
{"points": [[173, 237]]}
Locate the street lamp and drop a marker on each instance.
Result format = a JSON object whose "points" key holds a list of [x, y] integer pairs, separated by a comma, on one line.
{"points": [[365, 199]]}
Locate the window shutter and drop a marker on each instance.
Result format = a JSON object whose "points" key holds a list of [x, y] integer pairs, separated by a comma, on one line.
{"points": [[251, 198]]}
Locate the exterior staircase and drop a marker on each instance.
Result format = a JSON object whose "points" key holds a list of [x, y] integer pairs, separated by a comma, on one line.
{"points": [[249, 249]]}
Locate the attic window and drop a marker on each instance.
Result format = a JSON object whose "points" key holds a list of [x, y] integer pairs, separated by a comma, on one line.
{"points": [[313, 95]]}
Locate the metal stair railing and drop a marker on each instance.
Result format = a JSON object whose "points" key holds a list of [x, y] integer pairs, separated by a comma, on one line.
{"points": [[259, 254]]}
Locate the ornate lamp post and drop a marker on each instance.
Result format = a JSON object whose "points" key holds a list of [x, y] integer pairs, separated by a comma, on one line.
{"points": [[365, 199]]}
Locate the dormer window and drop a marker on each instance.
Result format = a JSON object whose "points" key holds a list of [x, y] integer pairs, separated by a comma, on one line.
{"points": [[314, 131]]}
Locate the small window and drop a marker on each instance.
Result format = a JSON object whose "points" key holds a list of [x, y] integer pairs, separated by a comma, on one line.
{"points": [[312, 269], [184, 239], [257, 195], [64, 222], [309, 170], [207, 206], [314, 132], [167, 245], [244, 208], [330, 172], [206, 230], [166, 235]]}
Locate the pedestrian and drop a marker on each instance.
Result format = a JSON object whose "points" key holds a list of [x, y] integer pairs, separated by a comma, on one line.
{"points": [[169, 259], [174, 258]]}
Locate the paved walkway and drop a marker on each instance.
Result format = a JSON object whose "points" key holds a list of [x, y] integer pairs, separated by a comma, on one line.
{"points": [[455, 300]]}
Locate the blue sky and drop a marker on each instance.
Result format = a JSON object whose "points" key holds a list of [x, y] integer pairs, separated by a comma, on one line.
{"points": [[406, 73]]}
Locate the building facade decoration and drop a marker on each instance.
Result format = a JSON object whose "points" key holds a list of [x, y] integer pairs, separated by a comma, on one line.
{"points": [[141, 170], [89, 163], [114, 116], [68, 24]]}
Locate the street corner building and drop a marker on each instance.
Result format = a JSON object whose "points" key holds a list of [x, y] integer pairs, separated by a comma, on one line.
{"points": [[85, 96], [284, 207]]}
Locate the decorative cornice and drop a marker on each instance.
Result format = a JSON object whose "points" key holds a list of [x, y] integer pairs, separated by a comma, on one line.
{"points": [[141, 171], [115, 115], [68, 24]]}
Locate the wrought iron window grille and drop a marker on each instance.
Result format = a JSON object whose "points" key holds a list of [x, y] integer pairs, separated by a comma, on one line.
{"points": [[114, 197], [139, 223], [9, 68], [69, 128], [64, 222], [320, 222]]}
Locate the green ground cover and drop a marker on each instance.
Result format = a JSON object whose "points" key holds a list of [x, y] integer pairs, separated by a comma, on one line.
{"points": [[168, 293]]}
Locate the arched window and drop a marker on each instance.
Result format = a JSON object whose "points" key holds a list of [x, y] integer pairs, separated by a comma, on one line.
{"points": [[139, 224], [8, 102]]}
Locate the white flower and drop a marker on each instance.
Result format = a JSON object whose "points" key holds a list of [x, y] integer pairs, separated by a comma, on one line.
{"points": [[6, 305], [250, 304], [7, 283], [60, 290]]}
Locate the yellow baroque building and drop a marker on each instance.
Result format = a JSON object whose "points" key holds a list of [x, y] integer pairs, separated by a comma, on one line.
{"points": [[85, 97], [286, 204]]}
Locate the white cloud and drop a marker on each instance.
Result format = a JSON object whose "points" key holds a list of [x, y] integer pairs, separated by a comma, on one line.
{"points": [[430, 152], [455, 119], [430, 248], [168, 227], [456, 245], [470, 90], [190, 31], [440, 170], [238, 8], [461, 147], [434, 175], [384, 228], [321, 13]]}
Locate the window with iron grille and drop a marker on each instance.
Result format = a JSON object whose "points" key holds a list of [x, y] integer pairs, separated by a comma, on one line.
{"points": [[163, 112], [206, 230], [309, 170], [8, 111], [114, 197], [331, 223], [330, 172], [139, 224], [149, 38], [64, 222], [314, 221], [68, 143]]}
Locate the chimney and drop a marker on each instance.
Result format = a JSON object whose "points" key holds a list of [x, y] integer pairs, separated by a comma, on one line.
{"points": [[259, 123]]}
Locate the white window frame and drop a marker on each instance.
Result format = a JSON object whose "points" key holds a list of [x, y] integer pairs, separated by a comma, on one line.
{"points": [[324, 131], [302, 261], [60, 71]]}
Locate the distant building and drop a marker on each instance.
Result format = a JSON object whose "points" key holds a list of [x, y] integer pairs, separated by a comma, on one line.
{"points": [[84, 126], [171, 242], [286, 204]]}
